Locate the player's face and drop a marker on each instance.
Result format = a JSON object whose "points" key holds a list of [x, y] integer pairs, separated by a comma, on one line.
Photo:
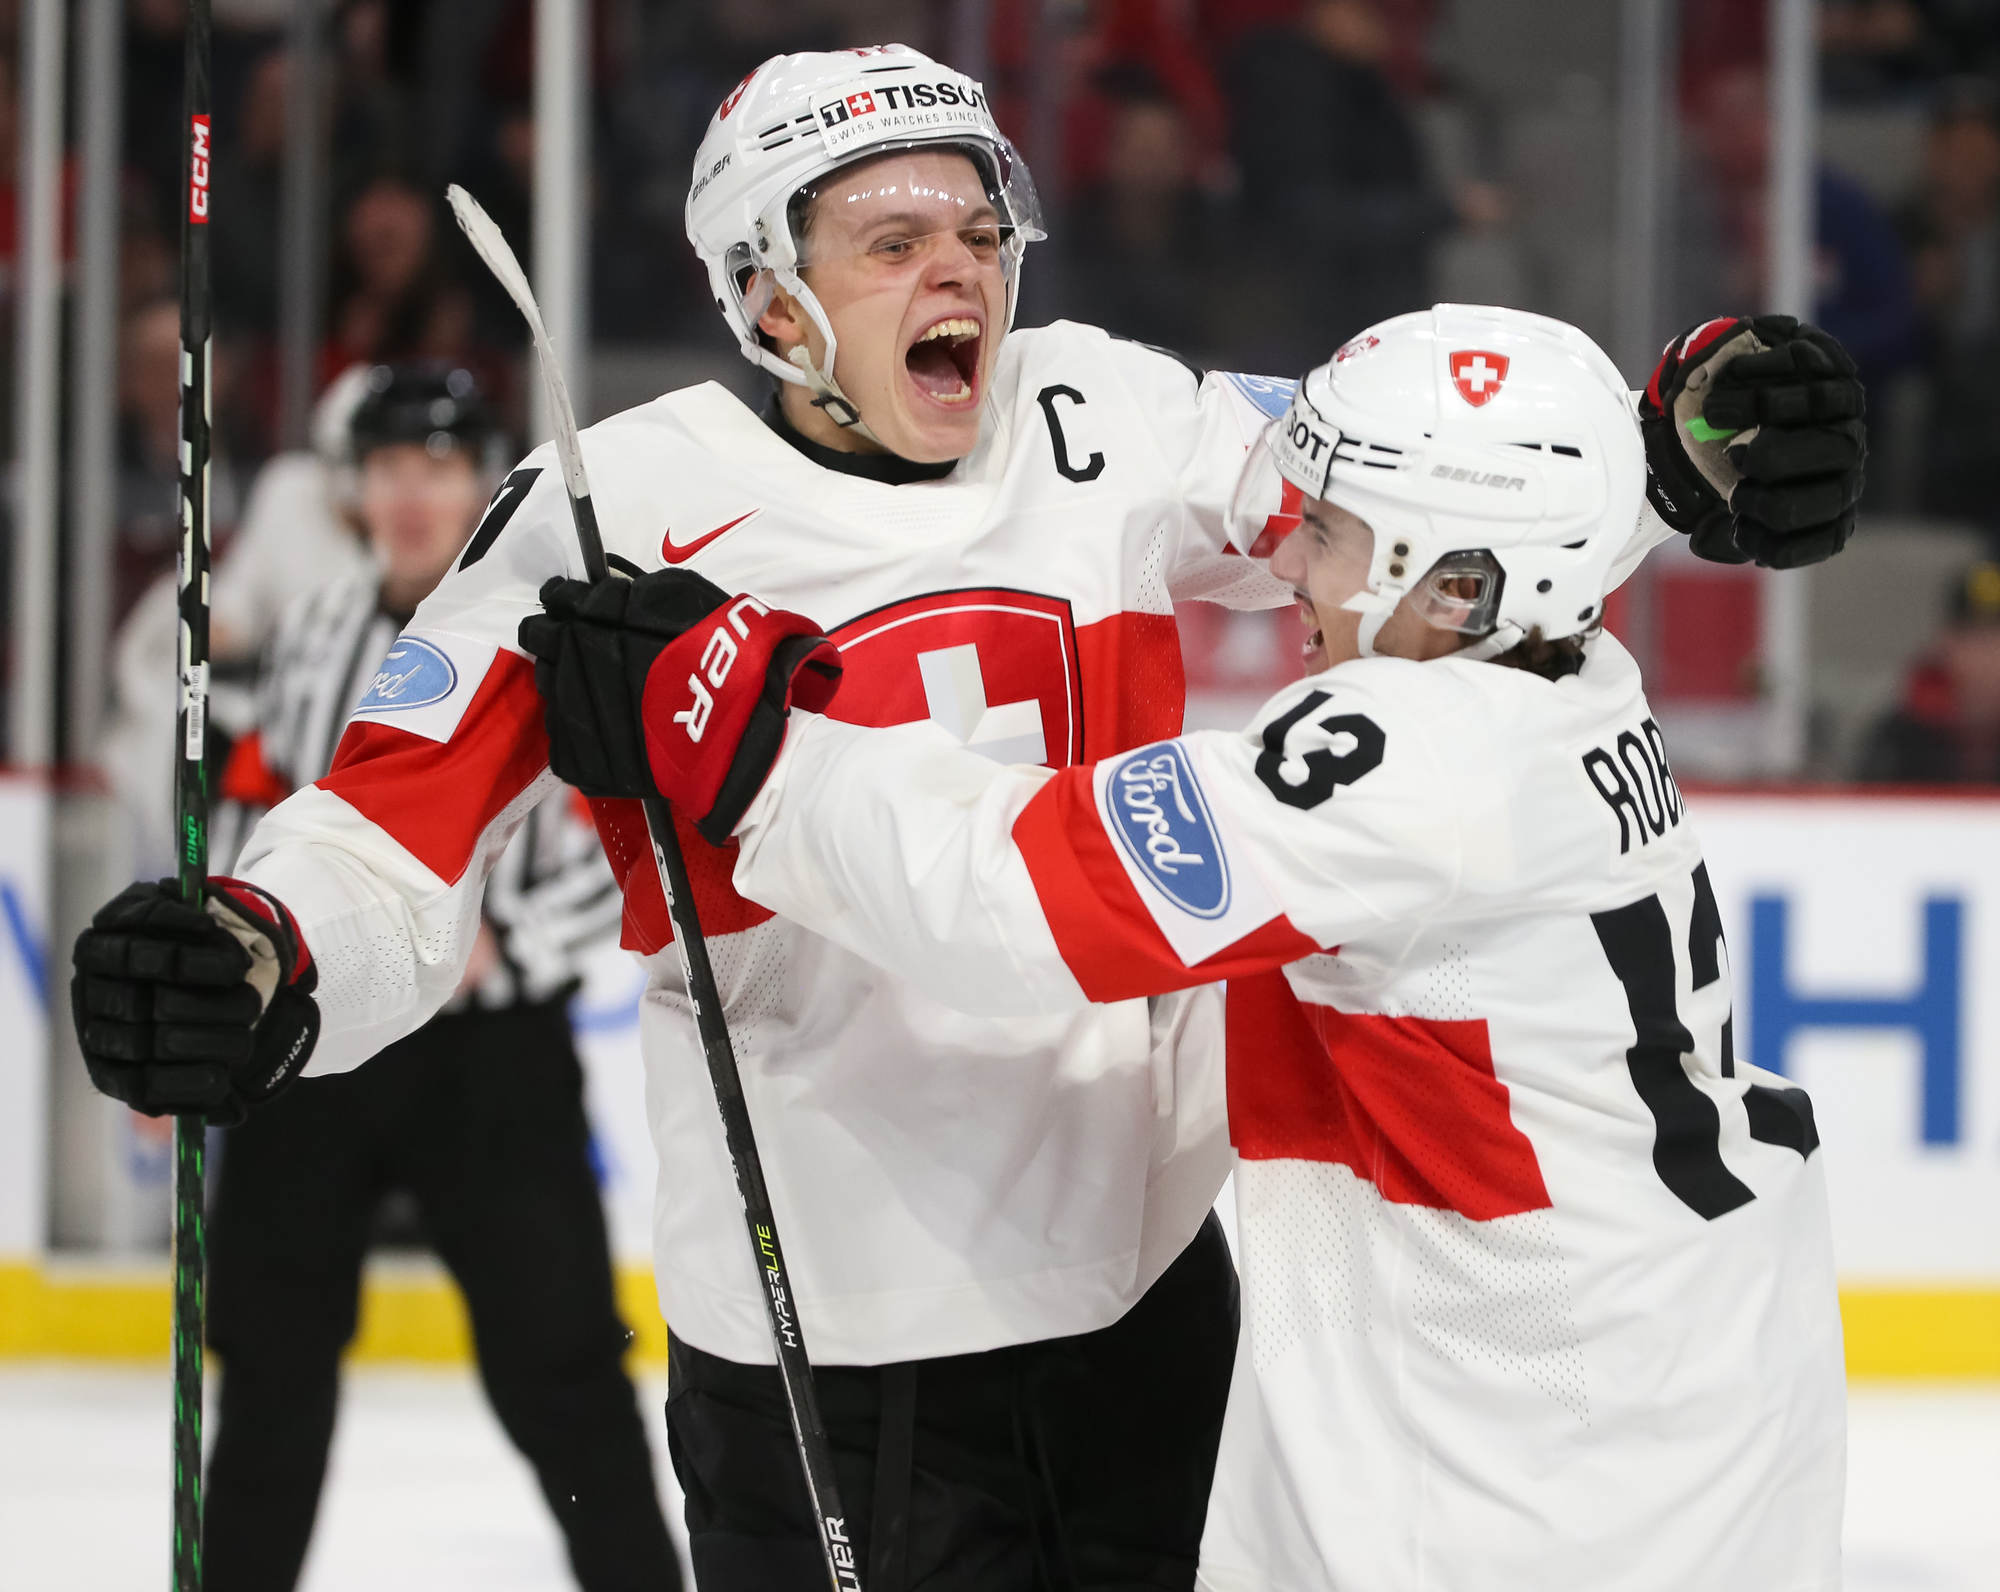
{"points": [[905, 258], [1326, 562], [418, 508]]}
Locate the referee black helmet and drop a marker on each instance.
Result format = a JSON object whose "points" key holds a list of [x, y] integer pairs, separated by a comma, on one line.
{"points": [[435, 405]]}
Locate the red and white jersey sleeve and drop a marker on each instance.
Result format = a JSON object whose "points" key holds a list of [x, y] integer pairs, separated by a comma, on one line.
{"points": [[1190, 860], [384, 860]]}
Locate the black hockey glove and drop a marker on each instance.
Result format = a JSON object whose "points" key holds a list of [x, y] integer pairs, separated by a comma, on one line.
{"points": [[593, 644], [665, 685], [206, 1009], [1755, 445]]}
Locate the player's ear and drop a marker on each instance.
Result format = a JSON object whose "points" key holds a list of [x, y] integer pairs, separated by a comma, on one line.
{"points": [[782, 322]]}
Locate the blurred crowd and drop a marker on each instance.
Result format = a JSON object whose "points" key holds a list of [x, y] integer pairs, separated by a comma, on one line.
{"points": [[1245, 181]]}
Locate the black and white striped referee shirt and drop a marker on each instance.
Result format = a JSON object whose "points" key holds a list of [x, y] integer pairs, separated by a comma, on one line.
{"points": [[551, 897]]}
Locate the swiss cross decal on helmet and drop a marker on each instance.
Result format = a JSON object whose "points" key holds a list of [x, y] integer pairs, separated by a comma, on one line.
{"points": [[793, 122], [1477, 374], [1494, 454], [834, 112], [732, 99]]}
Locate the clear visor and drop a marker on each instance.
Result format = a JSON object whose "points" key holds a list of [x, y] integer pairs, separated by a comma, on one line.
{"points": [[1460, 592], [1264, 509], [899, 208]]}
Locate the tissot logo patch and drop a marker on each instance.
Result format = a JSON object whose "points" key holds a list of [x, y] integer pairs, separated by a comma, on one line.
{"points": [[1477, 374], [1161, 819], [912, 107], [414, 675]]}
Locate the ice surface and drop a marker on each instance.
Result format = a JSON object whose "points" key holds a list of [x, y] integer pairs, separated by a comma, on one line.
{"points": [[424, 1492]]}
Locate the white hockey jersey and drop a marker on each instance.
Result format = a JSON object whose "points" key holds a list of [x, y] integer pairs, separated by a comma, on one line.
{"points": [[1023, 603], [1538, 1281], [550, 900]]}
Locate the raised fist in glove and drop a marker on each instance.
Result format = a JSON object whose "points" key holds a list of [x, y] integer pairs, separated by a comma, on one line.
{"points": [[663, 684], [1754, 441], [182, 1008]]}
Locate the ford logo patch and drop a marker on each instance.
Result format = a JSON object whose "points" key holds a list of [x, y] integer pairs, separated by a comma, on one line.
{"points": [[1271, 394], [414, 675], [1161, 819]]}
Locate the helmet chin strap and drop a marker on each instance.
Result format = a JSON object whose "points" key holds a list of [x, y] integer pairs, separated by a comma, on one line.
{"points": [[827, 396]]}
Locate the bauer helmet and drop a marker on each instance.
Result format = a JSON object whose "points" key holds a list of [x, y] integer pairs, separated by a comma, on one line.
{"points": [[799, 118], [1494, 453]]}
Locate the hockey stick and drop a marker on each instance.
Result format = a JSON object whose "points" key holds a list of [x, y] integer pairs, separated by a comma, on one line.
{"points": [[787, 1336], [190, 1257]]}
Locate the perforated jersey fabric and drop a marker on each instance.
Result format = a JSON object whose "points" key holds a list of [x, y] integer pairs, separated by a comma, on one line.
{"points": [[1537, 1274], [944, 1183]]}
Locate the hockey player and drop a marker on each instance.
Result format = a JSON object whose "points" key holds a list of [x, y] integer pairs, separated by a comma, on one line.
{"points": [[1538, 1281], [997, 524], [478, 1114]]}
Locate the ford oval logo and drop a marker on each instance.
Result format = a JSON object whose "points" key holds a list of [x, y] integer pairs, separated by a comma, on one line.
{"points": [[1271, 394], [1162, 821], [414, 675]]}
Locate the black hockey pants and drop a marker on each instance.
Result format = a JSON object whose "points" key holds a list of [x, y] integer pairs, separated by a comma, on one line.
{"points": [[480, 1116], [1071, 1464]]}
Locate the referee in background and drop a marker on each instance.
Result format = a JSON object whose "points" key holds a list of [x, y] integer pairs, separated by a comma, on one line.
{"points": [[478, 1116]]}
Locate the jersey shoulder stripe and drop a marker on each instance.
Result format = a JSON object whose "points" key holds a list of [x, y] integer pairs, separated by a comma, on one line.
{"points": [[437, 798], [1108, 938]]}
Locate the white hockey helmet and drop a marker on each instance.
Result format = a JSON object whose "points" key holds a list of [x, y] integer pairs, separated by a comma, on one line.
{"points": [[800, 117], [1494, 453]]}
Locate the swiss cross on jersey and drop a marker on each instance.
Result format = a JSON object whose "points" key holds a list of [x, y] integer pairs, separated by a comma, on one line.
{"points": [[996, 668], [1477, 374]]}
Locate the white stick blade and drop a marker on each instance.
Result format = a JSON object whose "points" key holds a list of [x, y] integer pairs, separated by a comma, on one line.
{"points": [[491, 245]]}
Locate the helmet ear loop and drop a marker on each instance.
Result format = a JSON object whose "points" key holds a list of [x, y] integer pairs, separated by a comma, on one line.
{"points": [[1016, 252], [1503, 637], [759, 297], [1374, 606], [1378, 599]]}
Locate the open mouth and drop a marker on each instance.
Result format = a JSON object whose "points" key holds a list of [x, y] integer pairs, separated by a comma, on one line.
{"points": [[944, 360], [1315, 641]]}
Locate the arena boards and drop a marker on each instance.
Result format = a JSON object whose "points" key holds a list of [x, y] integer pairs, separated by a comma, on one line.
{"points": [[1864, 939]]}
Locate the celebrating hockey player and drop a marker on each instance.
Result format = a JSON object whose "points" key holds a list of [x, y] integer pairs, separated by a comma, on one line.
{"points": [[1538, 1281], [477, 1116], [996, 1284]]}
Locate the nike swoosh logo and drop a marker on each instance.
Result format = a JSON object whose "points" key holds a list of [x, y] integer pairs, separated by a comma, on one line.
{"points": [[675, 553]]}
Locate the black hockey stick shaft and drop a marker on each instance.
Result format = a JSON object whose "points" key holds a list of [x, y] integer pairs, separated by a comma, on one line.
{"points": [[780, 1304], [190, 1244]]}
